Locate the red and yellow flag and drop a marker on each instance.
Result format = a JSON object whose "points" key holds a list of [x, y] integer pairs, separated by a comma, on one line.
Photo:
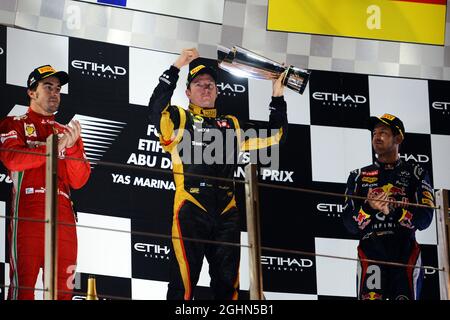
{"points": [[419, 21]]}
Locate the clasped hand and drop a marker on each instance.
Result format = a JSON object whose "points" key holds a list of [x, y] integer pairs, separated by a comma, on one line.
{"points": [[70, 136]]}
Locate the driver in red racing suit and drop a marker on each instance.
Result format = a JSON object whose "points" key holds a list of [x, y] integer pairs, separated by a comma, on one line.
{"points": [[29, 133]]}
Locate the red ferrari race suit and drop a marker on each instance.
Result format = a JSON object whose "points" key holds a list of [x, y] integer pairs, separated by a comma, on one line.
{"points": [[26, 238]]}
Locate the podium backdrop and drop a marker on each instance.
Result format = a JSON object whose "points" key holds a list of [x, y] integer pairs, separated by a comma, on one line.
{"points": [[108, 92]]}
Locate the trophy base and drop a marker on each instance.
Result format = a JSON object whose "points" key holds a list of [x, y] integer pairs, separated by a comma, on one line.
{"points": [[296, 79]]}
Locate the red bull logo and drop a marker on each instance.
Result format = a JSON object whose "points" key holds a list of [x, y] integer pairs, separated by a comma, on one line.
{"points": [[390, 189], [406, 219], [362, 219], [371, 296], [377, 191], [362, 216], [393, 191], [406, 216]]}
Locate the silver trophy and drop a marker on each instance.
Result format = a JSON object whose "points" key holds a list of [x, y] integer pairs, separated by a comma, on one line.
{"points": [[244, 63]]}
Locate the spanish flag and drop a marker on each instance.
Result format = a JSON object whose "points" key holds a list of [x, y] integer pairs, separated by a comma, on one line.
{"points": [[418, 21]]}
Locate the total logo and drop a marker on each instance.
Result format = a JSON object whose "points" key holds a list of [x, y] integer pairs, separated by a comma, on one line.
{"points": [[331, 209], [339, 100], [227, 89], [418, 158], [154, 251], [99, 69], [285, 263], [444, 107]]}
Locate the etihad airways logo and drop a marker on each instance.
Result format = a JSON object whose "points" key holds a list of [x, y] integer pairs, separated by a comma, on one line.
{"points": [[230, 89], [339, 100], [285, 263], [419, 158], [99, 69], [444, 107], [330, 209], [153, 250]]}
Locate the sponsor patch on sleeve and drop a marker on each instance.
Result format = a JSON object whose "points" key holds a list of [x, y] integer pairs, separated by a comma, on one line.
{"points": [[10, 135], [362, 219], [427, 194], [428, 202]]}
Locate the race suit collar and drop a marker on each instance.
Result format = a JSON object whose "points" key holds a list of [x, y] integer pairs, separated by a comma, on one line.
{"points": [[33, 114], [206, 112], [388, 166]]}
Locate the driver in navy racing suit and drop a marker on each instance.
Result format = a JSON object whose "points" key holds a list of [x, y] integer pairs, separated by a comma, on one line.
{"points": [[387, 230]]}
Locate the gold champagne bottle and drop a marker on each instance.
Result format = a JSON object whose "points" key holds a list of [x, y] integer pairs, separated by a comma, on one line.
{"points": [[92, 289]]}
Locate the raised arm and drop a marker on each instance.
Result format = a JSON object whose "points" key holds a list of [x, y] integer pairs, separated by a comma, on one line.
{"points": [[160, 99], [278, 122]]}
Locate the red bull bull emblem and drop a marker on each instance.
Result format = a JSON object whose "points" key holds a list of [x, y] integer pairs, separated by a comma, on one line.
{"points": [[362, 219], [372, 296], [390, 189], [406, 219]]}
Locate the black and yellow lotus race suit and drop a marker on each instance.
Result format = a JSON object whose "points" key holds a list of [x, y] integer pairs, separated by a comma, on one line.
{"points": [[205, 208]]}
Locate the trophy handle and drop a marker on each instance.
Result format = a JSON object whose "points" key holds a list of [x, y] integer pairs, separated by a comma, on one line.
{"points": [[223, 53]]}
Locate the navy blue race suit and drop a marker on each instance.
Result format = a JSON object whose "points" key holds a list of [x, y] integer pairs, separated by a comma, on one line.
{"points": [[389, 237]]}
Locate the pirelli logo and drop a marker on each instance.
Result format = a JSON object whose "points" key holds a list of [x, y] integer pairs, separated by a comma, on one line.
{"points": [[388, 116], [196, 69], [46, 69]]}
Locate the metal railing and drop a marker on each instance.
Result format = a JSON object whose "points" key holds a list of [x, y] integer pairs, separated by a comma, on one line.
{"points": [[253, 227]]}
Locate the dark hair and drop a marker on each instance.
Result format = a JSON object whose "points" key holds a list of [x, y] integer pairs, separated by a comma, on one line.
{"points": [[32, 88]]}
